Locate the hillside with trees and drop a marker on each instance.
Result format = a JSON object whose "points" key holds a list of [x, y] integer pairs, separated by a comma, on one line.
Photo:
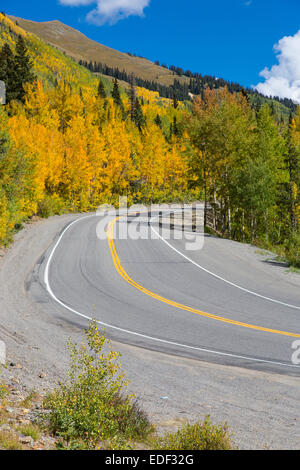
{"points": [[167, 80]]}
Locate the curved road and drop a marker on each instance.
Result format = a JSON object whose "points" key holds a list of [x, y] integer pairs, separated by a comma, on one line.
{"points": [[222, 303]]}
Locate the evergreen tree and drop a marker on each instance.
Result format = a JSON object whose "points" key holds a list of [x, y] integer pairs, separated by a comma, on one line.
{"points": [[175, 101], [174, 129], [101, 90], [117, 98], [8, 72], [132, 98], [158, 121], [138, 115], [24, 66], [116, 94]]}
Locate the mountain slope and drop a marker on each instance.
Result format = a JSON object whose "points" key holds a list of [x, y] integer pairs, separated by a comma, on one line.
{"points": [[77, 45], [69, 43], [50, 64]]}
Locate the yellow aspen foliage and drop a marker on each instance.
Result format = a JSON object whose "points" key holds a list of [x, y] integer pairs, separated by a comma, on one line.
{"points": [[117, 164], [4, 217], [72, 149], [38, 105], [151, 161], [77, 171]]}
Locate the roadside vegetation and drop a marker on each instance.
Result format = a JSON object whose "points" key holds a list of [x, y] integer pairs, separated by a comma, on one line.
{"points": [[92, 409], [92, 406], [199, 436]]}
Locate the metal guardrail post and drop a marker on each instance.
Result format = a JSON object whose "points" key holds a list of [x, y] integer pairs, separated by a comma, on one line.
{"points": [[172, 223], [160, 219], [194, 219]]}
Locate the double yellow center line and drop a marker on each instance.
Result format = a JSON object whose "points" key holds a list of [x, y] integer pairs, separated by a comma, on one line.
{"points": [[127, 278]]}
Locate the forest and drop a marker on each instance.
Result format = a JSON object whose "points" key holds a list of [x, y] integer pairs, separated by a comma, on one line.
{"points": [[195, 85], [69, 144]]}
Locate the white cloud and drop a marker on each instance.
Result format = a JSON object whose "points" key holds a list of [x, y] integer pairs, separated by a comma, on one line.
{"points": [[110, 11], [283, 79]]}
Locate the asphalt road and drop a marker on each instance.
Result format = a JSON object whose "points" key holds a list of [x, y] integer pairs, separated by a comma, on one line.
{"points": [[224, 303]]}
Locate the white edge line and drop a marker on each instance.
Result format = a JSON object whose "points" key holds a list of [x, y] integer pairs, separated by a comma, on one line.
{"points": [[216, 275], [218, 353]]}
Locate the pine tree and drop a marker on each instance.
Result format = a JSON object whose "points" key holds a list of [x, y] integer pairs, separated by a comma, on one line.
{"points": [[101, 90], [24, 68], [138, 115], [116, 94], [132, 98], [8, 72], [174, 129], [158, 121], [175, 101]]}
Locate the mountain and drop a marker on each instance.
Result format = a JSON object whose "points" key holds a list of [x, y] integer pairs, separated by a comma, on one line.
{"points": [[168, 81], [50, 64], [78, 46]]}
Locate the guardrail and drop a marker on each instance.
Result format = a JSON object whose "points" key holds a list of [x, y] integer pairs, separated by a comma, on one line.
{"points": [[214, 219]]}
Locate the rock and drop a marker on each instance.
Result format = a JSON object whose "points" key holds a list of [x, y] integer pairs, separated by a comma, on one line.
{"points": [[24, 422], [9, 410], [12, 364], [26, 440], [14, 380], [47, 441], [21, 398], [5, 427]]}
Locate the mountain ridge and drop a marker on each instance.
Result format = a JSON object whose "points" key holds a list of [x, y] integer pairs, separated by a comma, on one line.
{"points": [[168, 81], [80, 47]]}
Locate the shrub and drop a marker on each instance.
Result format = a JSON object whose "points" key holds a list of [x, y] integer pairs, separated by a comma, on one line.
{"points": [[50, 205], [91, 405], [3, 391], [292, 253], [3, 388], [199, 436]]}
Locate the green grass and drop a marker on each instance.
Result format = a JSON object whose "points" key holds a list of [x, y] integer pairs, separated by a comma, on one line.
{"points": [[9, 441], [28, 400], [31, 430], [293, 269], [199, 436], [262, 252]]}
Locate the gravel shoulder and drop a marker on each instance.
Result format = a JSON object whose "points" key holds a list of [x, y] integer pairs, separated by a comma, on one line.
{"points": [[261, 409]]}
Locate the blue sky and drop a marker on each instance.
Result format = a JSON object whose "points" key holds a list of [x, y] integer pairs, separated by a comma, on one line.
{"points": [[232, 39]]}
